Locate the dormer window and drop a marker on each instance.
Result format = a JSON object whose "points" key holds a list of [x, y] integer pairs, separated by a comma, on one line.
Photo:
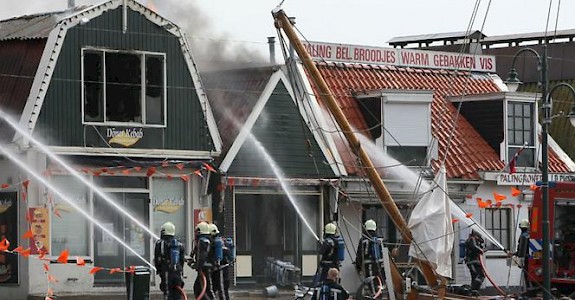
{"points": [[521, 133], [123, 88], [400, 122]]}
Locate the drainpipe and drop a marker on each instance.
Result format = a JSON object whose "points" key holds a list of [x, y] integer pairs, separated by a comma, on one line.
{"points": [[71, 3], [272, 46]]}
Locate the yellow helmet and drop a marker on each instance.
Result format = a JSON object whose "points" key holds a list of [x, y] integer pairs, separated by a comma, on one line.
{"points": [[370, 225], [169, 229], [524, 223], [203, 228], [330, 228], [214, 229]]}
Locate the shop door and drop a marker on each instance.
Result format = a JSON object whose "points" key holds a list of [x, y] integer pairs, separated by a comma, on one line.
{"points": [[108, 253]]}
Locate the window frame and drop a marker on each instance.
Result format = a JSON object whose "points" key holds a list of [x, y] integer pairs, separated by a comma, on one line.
{"points": [[510, 147], [142, 55], [491, 226]]}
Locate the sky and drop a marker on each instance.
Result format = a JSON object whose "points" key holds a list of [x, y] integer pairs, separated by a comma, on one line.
{"points": [[247, 23]]}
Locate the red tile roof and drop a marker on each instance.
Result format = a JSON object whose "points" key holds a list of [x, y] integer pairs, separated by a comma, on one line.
{"points": [[467, 152]]}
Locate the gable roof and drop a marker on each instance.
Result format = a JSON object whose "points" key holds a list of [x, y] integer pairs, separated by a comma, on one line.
{"points": [[252, 112], [36, 26], [467, 153], [54, 41]]}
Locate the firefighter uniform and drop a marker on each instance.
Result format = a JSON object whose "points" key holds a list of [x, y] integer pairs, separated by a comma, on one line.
{"points": [[329, 251], [474, 248], [169, 261], [203, 262], [223, 251], [369, 257], [523, 251]]}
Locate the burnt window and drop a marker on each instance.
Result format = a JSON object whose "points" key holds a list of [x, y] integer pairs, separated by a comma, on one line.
{"points": [[124, 87]]}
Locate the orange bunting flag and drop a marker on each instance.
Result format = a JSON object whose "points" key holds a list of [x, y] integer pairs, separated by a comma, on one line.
{"points": [[138, 169], [115, 270], [489, 202], [131, 269], [533, 187], [42, 253], [170, 177], [46, 267], [24, 196], [126, 172], [165, 164], [231, 181], [104, 170], [454, 220], [499, 197], [85, 170], [48, 298], [468, 196], [52, 278], [26, 252], [468, 215], [481, 203], [185, 178], [28, 234], [25, 183], [151, 171], [80, 261], [209, 168], [515, 192], [50, 292], [57, 213], [18, 249], [4, 244], [97, 173], [95, 270], [498, 204], [5, 185], [63, 258], [199, 173], [180, 166]]}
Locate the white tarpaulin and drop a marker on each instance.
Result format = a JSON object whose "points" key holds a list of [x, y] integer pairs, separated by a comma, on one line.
{"points": [[432, 229]]}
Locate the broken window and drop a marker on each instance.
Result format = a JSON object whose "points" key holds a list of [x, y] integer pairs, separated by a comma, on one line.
{"points": [[124, 87]]}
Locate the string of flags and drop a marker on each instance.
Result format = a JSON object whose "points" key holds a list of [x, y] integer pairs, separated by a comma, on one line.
{"points": [[149, 171]]}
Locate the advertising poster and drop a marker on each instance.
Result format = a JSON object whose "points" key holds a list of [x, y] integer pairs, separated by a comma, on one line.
{"points": [[9, 231], [40, 226]]}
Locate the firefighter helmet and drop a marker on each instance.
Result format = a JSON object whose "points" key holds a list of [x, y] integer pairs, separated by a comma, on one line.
{"points": [[524, 223], [169, 229], [214, 229], [330, 228], [203, 228], [370, 225]]}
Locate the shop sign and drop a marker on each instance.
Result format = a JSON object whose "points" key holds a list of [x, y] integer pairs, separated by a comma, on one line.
{"points": [[400, 57], [530, 178], [202, 214], [123, 137], [9, 230], [168, 205]]}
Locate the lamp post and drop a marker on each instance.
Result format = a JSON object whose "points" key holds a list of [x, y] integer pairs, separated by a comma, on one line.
{"points": [[513, 83]]}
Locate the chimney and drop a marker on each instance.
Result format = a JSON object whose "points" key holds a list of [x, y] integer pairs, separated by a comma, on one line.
{"points": [[71, 3], [272, 45]]}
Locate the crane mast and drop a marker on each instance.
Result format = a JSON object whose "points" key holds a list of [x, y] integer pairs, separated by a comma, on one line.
{"points": [[283, 22]]}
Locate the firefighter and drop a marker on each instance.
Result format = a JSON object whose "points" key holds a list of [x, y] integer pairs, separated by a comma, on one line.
{"points": [[223, 251], [523, 250], [169, 261], [203, 262], [331, 251], [474, 248], [331, 289], [369, 256]]}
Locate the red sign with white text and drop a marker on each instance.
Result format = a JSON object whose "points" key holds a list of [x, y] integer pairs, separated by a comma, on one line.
{"points": [[401, 57]]}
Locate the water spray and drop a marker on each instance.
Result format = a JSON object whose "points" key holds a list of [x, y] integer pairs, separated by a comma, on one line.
{"points": [[75, 173], [283, 184], [28, 169]]}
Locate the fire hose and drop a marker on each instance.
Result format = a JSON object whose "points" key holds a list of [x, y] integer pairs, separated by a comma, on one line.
{"points": [[380, 288], [482, 260], [205, 283], [179, 288]]}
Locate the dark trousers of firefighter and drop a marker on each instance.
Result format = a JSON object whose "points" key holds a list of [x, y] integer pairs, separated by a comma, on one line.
{"points": [[373, 269], [169, 280], [477, 275], [221, 282], [199, 285]]}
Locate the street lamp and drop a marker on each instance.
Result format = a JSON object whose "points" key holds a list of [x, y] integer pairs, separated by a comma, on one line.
{"points": [[513, 83]]}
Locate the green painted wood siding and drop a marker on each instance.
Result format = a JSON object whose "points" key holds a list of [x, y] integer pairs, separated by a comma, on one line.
{"points": [[60, 121], [283, 133]]}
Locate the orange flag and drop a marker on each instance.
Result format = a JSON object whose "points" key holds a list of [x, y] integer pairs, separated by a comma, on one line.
{"points": [[80, 261], [26, 252], [46, 267], [180, 166], [25, 183], [165, 164], [151, 171], [50, 292], [18, 249], [63, 258], [499, 197], [95, 270], [5, 185], [515, 192], [481, 203], [126, 172], [468, 215], [454, 220], [4, 244], [28, 234], [52, 278], [185, 177], [138, 169], [57, 213], [131, 269], [210, 168], [115, 270], [199, 173]]}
